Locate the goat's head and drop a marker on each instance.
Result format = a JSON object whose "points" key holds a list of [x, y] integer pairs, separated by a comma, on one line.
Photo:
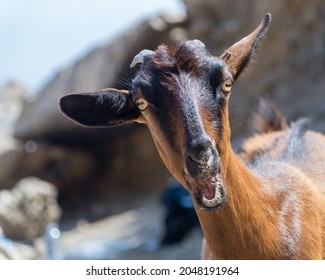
{"points": [[182, 95]]}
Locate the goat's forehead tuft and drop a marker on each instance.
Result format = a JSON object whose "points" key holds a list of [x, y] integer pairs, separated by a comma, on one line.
{"points": [[189, 56], [166, 65], [191, 47]]}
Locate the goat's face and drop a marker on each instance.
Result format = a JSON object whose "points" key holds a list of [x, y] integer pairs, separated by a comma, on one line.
{"points": [[182, 96]]}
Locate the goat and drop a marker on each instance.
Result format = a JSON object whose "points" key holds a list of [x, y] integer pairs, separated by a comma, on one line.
{"points": [[271, 207]]}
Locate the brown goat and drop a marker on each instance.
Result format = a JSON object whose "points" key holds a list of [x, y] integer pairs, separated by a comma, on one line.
{"points": [[272, 206]]}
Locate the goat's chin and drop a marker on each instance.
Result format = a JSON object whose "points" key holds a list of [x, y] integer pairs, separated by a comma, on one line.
{"points": [[209, 193]]}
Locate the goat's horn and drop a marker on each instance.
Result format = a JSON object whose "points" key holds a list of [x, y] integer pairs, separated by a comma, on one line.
{"points": [[140, 56]]}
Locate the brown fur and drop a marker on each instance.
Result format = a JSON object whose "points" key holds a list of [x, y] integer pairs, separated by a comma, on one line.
{"points": [[271, 201]]}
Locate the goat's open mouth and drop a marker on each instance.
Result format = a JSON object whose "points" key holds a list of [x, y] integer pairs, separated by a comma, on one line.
{"points": [[209, 193]]}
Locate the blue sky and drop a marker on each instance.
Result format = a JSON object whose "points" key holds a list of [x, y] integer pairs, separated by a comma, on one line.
{"points": [[38, 38]]}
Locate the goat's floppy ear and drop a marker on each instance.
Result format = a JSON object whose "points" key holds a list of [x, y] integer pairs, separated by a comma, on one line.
{"points": [[107, 107], [238, 55]]}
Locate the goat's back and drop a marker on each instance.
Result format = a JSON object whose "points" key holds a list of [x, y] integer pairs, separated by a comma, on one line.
{"points": [[290, 165], [295, 146]]}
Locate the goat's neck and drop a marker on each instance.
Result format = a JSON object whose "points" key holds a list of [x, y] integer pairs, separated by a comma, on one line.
{"points": [[244, 227]]}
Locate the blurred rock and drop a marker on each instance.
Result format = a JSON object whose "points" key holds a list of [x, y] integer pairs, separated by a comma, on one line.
{"points": [[8, 250], [12, 250], [11, 103], [26, 210], [56, 164]]}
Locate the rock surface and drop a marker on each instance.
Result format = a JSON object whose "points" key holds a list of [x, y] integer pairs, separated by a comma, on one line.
{"points": [[11, 103], [58, 165], [26, 210]]}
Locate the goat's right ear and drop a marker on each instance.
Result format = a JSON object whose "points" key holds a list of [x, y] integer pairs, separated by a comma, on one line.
{"points": [[107, 107], [238, 56]]}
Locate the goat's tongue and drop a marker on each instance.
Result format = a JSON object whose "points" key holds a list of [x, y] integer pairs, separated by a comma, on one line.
{"points": [[208, 192], [208, 188]]}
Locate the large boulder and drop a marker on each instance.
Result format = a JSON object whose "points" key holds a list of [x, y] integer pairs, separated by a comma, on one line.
{"points": [[16, 250], [28, 208], [61, 166]]}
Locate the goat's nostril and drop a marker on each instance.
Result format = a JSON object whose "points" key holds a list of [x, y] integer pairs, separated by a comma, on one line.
{"points": [[202, 152], [206, 155], [202, 159], [211, 160], [201, 156]]}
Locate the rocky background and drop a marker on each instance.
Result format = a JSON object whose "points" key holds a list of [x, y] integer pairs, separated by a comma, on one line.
{"points": [[84, 175]]}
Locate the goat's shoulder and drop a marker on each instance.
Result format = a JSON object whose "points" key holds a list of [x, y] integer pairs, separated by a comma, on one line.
{"points": [[294, 170], [297, 205]]}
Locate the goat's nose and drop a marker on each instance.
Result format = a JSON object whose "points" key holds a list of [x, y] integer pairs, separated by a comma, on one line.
{"points": [[201, 151]]}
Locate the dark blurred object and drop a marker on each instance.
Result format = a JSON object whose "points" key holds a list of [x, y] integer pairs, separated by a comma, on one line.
{"points": [[180, 216]]}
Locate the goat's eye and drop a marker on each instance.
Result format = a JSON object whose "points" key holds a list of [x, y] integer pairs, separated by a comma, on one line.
{"points": [[226, 86], [142, 104]]}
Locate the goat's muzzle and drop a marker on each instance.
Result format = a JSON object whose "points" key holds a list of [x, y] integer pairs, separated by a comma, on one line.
{"points": [[202, 159], [203, 177]]}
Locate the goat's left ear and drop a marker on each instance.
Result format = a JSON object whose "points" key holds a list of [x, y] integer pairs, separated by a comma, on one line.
{"points": [[239, 55], [107, 107]]}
